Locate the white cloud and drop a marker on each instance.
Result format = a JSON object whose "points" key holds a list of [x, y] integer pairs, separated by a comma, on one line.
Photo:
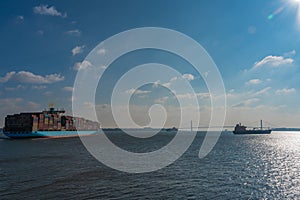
{"points": [[253, 82], [206, 74], [167, 85], [274, 114], [242, 99], [33, 105], [262, 91], [290, 54], [103, 67], [18, 87], [101, 51], [176, 79], [40, 32], [285, 91], [29, 77], [156, 84], [89, 104], [161, 100], [74, 32], [38, 87], [185, 96], [203, 95], [16, 105], [20, 17], [273, 61], [10, 100], [189, 77], [68, 89], [7, 77], [133, 91], [77, 50], [247, 102], [191, 95], [48, 10], [48, 93], [82, 65]]}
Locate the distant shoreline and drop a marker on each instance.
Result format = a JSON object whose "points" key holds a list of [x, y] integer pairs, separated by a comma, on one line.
{"points": [[285, 129]]}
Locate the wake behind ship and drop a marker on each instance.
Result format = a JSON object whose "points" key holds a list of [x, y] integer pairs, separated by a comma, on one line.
{"points": [[48, 123]]}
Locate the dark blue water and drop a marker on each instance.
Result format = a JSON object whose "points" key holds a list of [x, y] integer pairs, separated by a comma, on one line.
{"points": [[239, 167]]}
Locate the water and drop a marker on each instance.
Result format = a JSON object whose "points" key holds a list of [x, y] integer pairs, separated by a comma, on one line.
{"points": [[239, 167]]}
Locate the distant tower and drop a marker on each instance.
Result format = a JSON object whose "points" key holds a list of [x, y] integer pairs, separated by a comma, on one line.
{"points": [[191, 126]]}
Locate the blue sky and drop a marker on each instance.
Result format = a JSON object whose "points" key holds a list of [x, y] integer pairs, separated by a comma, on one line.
{"points": [[255, 45]]}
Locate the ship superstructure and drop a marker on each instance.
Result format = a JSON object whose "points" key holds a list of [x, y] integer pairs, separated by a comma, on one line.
{"points": [[240, 129]]}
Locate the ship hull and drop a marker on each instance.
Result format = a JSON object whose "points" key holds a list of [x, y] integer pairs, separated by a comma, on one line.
{"points": [[252, 132], [47, 134]]}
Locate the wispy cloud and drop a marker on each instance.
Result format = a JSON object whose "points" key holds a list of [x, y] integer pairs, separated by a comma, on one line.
{"points": [[101, 51], [248, 98], [40, 32], [253, 82], [189, 77], [16, 105], [77, 50], [290, 54], [262, 91], [82, 65], [103, 67], [285, 91], [20, 18], [247, 102], [273, 61], [193, 95], [48, 10], [134, 91], [39, 87], [74, 32], [161, 100], [48, 93], [18, 87], [68, 89], [29, 77]]}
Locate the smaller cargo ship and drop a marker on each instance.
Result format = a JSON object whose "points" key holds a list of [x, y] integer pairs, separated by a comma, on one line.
{"points": [[240, 129], [52, 123]]}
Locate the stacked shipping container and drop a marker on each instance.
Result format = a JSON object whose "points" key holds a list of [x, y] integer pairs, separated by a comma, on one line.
{"points": [[51, 120]]}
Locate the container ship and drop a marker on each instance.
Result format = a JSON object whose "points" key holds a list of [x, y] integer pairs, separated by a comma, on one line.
{"points": [[52, 123], [240, 129]]}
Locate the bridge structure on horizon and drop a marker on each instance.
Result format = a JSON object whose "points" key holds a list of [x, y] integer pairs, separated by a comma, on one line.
{"points": [[231, 127]]}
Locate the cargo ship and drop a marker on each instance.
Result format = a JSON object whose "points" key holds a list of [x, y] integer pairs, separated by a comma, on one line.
{"points": [[240, 129], [52, 123]]}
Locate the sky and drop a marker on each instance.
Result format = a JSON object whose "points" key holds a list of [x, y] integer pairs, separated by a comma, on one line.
{"points": [[255, 45]]}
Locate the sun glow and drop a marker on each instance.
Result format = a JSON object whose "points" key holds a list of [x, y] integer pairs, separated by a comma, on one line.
{"points": [[296, 3]]}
